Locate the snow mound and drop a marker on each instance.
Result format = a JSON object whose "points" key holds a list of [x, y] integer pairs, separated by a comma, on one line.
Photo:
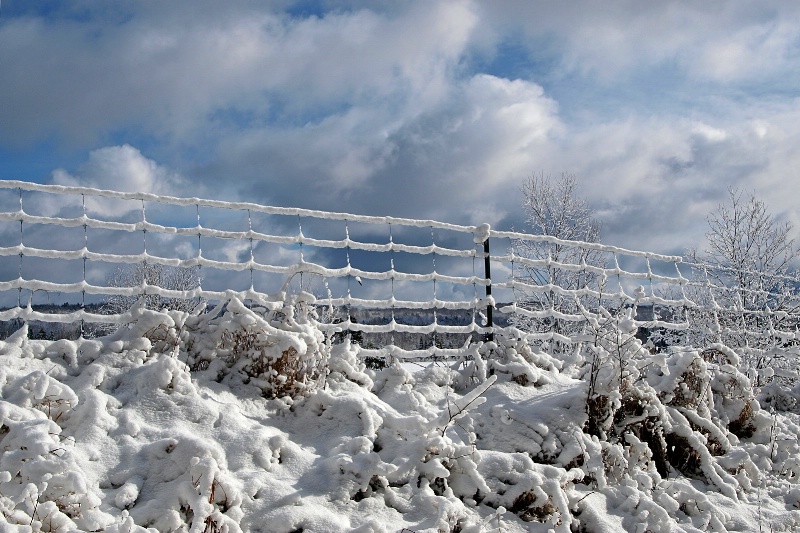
{"points": [[239, 419]]}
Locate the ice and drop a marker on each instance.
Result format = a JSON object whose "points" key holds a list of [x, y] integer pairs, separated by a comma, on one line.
{"points": [[594, 246]]}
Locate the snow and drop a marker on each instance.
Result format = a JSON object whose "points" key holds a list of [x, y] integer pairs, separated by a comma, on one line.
{"points": [[170, 424], [586, 245], [240, 206], [665, 292], [245, 418]]}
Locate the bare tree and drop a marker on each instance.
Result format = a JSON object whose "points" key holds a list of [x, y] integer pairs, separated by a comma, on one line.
{"points": [[749, 252], [165, 277], [554, 208], [748, 265], [746, 245]]}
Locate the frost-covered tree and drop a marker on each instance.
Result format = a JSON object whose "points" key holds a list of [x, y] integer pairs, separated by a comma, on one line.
{"points": [[553, 208], [748, 268], [747, 247], [165, 277]]}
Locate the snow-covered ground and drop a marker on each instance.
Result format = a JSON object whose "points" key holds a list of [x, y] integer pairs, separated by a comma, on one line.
{"points": [[186, 423]]}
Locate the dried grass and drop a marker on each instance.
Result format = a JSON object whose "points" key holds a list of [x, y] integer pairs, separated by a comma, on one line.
{"points": [[683, 457], [649, 429], [598, 409], [281, 373], [163, 339], [524, 508], [744, 425], [691, 389], [713, 355]]}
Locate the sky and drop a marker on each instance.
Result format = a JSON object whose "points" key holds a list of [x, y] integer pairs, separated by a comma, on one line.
{"points": [[424, 109]]}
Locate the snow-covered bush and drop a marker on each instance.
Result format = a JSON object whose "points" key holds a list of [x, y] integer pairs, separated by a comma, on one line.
{"points": [[283, 353], [778, 397], [241, 419], [41, 483], [682, 411], [613, 358]]}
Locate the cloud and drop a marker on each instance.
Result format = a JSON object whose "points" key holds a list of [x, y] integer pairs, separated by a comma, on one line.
{"points": [[399, 109], [456, 160], [722, 42], [745, 52], [121, 168], [654, 180], [173, 72]]}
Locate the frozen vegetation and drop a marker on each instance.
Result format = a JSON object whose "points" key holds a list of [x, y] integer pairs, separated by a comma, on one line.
{"points": [[238, 419], [267, 417]]}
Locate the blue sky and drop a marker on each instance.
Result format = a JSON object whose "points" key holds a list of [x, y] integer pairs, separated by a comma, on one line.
{"points": [[425, 109]]}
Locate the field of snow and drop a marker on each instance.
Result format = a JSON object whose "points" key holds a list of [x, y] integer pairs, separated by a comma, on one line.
{"points": [[230, 420]]}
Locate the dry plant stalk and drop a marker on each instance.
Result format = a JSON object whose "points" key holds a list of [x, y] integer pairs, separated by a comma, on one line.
{"points": [[286, 373], [524, 508]]}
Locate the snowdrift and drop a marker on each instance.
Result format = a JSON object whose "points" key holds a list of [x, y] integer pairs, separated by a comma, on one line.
{"points": [[239, 419]]}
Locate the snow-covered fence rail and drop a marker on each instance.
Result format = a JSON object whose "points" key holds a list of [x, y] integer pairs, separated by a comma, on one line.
{"points": [[394, 281], [564, 291], [63, 244]]}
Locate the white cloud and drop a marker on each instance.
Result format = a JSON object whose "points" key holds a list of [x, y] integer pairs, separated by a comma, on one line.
{"points": [[709, 133], [656, 179], [122, 168], [513, 118], [760, 128], [747, 50], [376, 107], [461, 159], [174, 76], [720, 41]]}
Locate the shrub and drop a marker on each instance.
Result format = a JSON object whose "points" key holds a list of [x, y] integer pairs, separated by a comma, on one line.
{"points": [[283, 353]]}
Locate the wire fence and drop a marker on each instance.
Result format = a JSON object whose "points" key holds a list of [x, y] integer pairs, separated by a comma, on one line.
{"points": [[412, 288]]}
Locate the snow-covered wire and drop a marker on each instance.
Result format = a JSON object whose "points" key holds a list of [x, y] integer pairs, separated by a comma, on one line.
{"points": [[668, 295]]}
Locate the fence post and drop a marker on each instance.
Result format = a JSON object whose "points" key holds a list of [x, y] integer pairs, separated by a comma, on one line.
{"points": [[487, 267]]}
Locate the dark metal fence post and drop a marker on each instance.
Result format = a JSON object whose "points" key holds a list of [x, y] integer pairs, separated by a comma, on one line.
{"points": [[487, 266]]}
